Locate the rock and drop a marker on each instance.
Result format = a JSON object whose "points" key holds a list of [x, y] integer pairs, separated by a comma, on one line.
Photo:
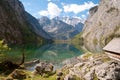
{"points": [[21, 67], [31, 63], [6, 67], [79, 65], [66, 77], [18, 74], [89, 75], [36, 61], [102, 25], [70, 61], [99, 68], [93, 10], [58, 78], [109, 70], [59, 73], [43, 68], [69, 77]]}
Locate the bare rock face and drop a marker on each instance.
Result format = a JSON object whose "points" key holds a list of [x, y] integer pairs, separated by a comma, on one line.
{"points": [[93, 10], [102, 68], [9, 29], [102, 25], [107, 71]]}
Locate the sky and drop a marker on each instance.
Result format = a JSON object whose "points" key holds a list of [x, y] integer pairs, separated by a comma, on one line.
{"points": [[54, 8]]}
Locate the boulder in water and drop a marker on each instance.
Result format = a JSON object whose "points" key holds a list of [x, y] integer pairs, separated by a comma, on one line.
{"points": [[43, 68]]}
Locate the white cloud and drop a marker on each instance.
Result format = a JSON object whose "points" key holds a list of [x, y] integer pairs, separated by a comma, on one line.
{"points": [[43, 13], [53, 10], [75, 8]]}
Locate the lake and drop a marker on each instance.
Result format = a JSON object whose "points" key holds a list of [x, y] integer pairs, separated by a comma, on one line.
{"points": [[54, 53]]}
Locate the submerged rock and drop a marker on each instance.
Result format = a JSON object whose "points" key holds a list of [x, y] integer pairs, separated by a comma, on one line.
{"points": [[31, 63]]}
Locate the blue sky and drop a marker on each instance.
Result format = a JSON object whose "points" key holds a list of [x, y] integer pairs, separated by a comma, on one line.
{"points": [[53, 8]]}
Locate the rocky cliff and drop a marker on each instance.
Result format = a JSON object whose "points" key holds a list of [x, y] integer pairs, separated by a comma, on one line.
{"points": [[36, 27], [91, 67], [102, 25], [15, 25], [73, 21]]}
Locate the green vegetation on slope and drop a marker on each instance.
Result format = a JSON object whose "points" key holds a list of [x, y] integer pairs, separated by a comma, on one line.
{"points": [[3, 47], [78, 39], [16, 29]]}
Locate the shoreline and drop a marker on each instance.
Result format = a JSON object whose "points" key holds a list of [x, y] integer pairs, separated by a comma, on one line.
{"points": [[80, 68]]}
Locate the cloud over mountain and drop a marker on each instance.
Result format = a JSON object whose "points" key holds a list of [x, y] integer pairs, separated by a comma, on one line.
{"points": [[52, 10], [75, 8]]}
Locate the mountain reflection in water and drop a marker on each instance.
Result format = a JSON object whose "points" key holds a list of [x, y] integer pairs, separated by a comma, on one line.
{"points": [[54, 53], [57, 53]]}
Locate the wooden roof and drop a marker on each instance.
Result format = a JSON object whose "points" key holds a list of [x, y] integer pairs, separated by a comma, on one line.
{"points": [[113, 46]]}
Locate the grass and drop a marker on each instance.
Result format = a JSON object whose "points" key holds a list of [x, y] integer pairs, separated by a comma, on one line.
{"points": [[78, 39], [106, 59], [30, 76], [76, 78], [38, 77], [87, 55]]}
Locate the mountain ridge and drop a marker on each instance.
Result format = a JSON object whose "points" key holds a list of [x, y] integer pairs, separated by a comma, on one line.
{"points": [[14, 26], [58, 29]]}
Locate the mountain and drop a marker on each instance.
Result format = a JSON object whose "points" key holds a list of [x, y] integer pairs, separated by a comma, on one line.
{"points": [[75, 22], [102, 25], [58, 29], [17, 26], [36, 27], [71, 21]]}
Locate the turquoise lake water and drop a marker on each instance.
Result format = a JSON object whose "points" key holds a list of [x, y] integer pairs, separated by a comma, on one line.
{"points": [[54, 53]]}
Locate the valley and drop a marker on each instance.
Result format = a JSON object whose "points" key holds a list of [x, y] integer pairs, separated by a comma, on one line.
{"points": [[63, 40]]}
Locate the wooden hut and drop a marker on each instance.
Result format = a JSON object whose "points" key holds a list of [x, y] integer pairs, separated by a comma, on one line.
{"points": [[113, 49]]}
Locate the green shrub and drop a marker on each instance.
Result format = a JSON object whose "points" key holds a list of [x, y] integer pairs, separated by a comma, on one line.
{"points": [[3, 46]]}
